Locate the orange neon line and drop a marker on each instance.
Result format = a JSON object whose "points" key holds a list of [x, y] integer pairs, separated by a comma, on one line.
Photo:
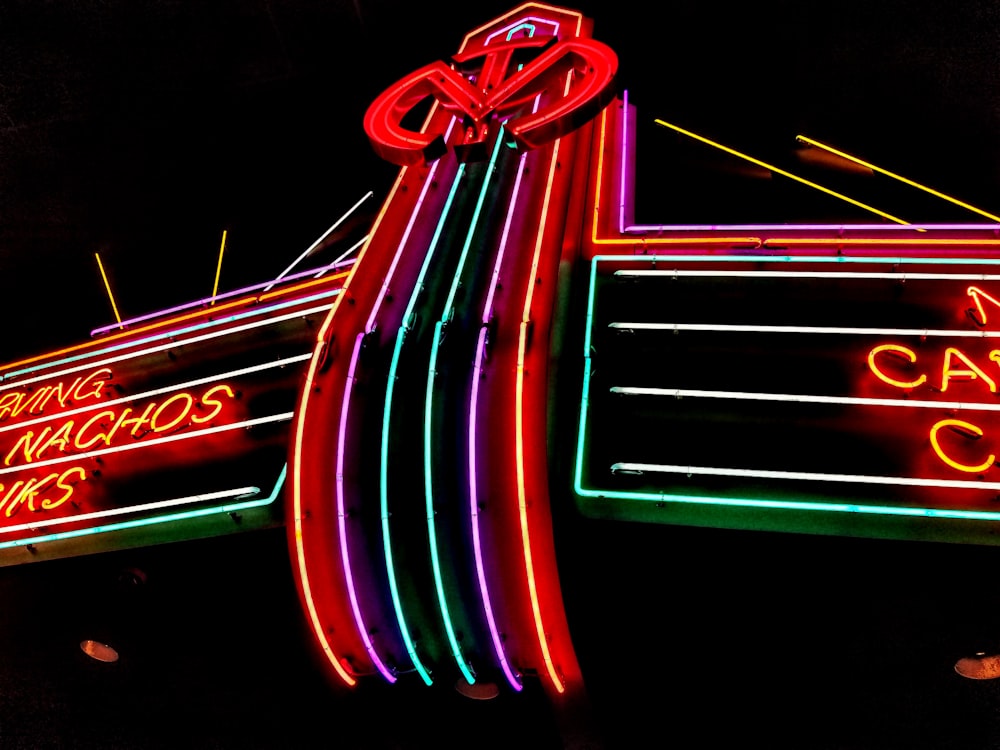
{"points": [[304, 285], [781, 241], [314, 620], [154, 326], [307, 389], [644, 241], [522, 501]]}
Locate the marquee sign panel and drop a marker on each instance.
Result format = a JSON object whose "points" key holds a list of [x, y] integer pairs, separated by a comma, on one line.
{"points": [[174, 425], [793, 392]]}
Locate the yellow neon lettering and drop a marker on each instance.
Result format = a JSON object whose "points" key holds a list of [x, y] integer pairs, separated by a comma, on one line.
{"points": [[82, 444], [136, 422], [178, 419], [963, 426], [27, 494], [61, 393], [11, 493], [216, 405], [894, 349], [96, 385], [60, 437], [978, 295], [37, 402], [7, 402], [28, 448], [973, 371], [31, 491], [62, 484]]}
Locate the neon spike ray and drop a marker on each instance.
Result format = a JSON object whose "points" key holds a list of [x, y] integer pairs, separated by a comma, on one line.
{"points": [[174, 430]]}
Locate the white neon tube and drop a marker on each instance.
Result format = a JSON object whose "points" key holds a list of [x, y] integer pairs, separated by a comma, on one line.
{"points": [[802, 476], [802, 398], [168, 345], [282, 417], [238, 493], [157, 391]]}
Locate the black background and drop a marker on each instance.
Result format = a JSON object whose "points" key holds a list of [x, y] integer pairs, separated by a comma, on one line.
{"points": [[143, 129]]}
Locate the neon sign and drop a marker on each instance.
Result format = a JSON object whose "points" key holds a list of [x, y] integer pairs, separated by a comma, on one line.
{"points": [[487, 82], [891, 362], [107, 436], [883, 407]]}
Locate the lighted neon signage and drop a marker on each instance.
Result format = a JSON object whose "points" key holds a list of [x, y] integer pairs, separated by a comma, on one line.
{"points": [[788, 397], [102, 436], [491, 79]]}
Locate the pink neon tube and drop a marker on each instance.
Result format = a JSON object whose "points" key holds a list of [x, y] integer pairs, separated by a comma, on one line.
{"points": [[342, 516], [512, 678]]}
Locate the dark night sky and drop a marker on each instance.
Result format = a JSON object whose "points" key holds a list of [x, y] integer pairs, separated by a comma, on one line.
{"points": [[141, 129]]}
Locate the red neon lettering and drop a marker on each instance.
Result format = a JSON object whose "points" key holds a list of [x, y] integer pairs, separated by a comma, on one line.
{"points": [[893, 349], [948, 371]]}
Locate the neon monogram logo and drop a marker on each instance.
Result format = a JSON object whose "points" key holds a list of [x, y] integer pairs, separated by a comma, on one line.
{"points": [[577, 74]]}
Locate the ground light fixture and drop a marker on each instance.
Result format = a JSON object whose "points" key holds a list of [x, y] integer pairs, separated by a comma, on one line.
{"points": [[479, 691], [99, 651], [979, 667]]}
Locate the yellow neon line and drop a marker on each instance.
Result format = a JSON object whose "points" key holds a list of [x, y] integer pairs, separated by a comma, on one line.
{"points": [[895, 176], [108, 287], [243, 301], [643, 241], [782, 172], [218, 268]]}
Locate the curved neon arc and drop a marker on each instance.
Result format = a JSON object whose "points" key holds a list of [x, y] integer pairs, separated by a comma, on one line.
{"points": [[319, 631], [386, 419], [345, 556], [512, 678], [522, 501], [456, 648]]}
